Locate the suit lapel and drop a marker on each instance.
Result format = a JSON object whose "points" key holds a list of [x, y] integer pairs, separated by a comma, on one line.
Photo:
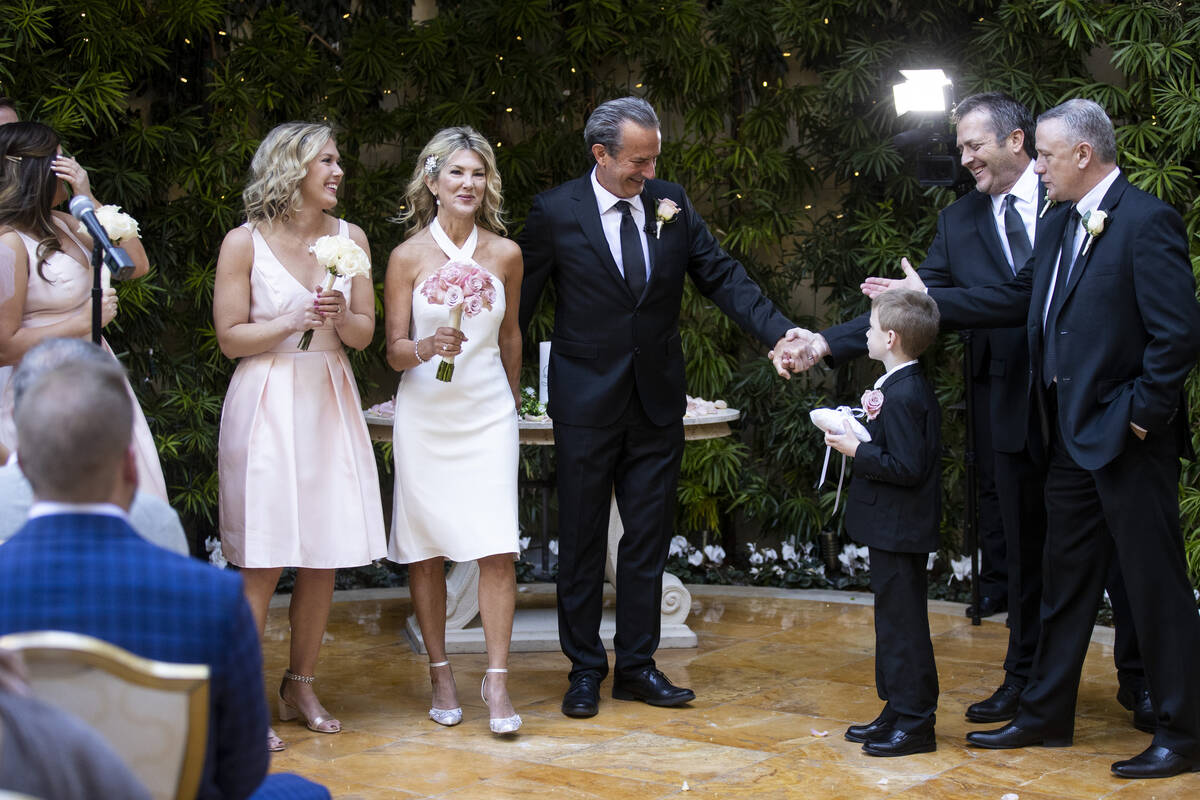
{"points": [[1109, 202], [1045, 253], [653, 243], [588, 214], [985, 222]]}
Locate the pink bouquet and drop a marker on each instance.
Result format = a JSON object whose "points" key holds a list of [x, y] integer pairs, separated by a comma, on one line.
{"points": [[464, 288]]}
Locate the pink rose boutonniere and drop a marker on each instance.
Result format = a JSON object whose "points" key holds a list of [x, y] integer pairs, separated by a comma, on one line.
{"points": [[872, 401], [664, 213]]}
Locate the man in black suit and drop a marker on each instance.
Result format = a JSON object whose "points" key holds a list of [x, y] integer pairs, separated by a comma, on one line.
{"points": [[1114, 328], [617, 244], [985, 238]]}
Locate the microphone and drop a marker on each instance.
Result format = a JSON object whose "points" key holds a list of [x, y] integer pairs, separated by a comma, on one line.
{"points": [[118, 261]]}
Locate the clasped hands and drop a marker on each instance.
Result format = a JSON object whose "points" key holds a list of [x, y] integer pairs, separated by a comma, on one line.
{"points": [[800, 349]]}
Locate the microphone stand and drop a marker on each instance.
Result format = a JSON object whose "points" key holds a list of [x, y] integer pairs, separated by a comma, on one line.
{"points": [[971, 523], [97, 289]]}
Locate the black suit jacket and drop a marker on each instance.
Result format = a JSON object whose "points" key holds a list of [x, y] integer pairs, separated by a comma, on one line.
{"points": [[895, 496], [1127, 334], [605, 340], [967, 252]]}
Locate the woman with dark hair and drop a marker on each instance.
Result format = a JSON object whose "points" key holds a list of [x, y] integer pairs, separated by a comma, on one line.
{"points": [[45, 270], [298, 484], [455, 443]]}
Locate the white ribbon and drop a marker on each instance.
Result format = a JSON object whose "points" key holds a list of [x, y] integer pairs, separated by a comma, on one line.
{"points": [[846, 411]]}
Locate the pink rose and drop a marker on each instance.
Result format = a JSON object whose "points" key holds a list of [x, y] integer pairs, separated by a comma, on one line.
{"points": [[872, 401], [472, 305], [454, 296], [489, 296], [452, 273], [474, 284]]}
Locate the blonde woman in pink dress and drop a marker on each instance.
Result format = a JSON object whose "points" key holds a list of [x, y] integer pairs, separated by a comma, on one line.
{"points": [[298, 484], [455, 444], [45, 269]]}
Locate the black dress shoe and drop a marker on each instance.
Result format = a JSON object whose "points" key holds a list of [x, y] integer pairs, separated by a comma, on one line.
{"points": [[988, 606], [903, 743], [1155, 762], [650, 686], [874, 731], [1137, 699], [1012, 736], [1000, 707], [583, 698]]}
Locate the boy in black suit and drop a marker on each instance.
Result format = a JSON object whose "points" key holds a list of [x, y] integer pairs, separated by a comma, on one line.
{"points": [[894, 508]]}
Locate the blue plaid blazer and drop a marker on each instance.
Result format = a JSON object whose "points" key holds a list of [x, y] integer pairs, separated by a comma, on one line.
{"points": [[93, 574]]}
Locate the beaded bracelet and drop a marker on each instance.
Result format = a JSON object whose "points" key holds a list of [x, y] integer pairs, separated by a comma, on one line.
{"points": [[417, 351]]}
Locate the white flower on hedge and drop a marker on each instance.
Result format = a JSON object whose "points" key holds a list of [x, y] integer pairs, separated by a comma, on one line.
{"points": [[695, 558], [714, 553], [769, 554], [854, 558], [756, 558], [553, 545], [524, 542], [960, 569], [819, 571], [929, 563], [215, 555], [679, 546], [778, 570], [808, 548], [789, 552]]}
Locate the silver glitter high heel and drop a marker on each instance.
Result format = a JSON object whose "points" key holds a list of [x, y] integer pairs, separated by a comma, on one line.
{"points": [[445, 716], [499, 724]]}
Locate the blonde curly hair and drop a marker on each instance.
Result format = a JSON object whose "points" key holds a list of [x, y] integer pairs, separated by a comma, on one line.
{"points": [[419, 207], [279, 166]]}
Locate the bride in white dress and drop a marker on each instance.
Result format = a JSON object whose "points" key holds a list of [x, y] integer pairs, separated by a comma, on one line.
{"points": [[455, 442]]}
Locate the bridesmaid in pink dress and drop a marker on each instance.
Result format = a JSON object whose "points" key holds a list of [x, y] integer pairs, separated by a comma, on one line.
{"points": [[298, 484], [45, 272]]}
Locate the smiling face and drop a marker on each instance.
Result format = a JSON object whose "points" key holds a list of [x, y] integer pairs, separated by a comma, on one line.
{"points": [[460, 183], [1061, 162], [320, 184], [995, 165], [625, 172]]}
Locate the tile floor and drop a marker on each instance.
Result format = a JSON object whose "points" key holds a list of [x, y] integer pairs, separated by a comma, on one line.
{"points": [[778, 676]]}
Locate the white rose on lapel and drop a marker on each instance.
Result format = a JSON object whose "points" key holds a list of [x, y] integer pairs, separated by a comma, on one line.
{"points": [[664, 213], [1093, 223]]}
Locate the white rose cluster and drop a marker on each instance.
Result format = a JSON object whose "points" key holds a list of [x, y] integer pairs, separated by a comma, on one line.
{"points": [[340, 254], [117, 224]]}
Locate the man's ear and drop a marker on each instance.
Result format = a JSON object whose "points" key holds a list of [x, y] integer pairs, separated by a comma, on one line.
{"points": [[599, 152], [1016, 141], [1083, 154]]}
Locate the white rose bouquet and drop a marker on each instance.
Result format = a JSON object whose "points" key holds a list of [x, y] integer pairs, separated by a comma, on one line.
{"points": [[342, 258], [117, 224]]}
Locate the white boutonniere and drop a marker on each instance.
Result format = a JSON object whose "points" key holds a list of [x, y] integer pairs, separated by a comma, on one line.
{"points": [[1045, 208], [1093, 224], [664, 213]]}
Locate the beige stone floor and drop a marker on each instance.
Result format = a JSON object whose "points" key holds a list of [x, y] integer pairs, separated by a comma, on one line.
{"points": [[778, 676]]}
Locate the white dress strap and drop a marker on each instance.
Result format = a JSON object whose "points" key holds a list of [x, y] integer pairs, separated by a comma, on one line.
{"points": [[465, 253]]}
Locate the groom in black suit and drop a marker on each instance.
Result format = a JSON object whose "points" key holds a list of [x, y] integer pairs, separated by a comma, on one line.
{"points": [[984, 238], [617, 244], [1114, 328]]}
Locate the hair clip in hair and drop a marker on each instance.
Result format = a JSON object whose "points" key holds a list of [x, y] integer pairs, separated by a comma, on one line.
{"points": [[14, 159], [431, 165]]}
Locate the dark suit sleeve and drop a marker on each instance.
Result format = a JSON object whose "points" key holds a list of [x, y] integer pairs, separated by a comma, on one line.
{"points": [[997, 305], [537, 252], [905, 462], [1164, 289], [721, 278], [239, 708]]}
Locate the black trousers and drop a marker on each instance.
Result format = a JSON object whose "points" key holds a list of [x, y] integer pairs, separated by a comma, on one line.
{"points": [[905, 673], [1021, 484], [993, 565], [638, 462], [1126, 511]]}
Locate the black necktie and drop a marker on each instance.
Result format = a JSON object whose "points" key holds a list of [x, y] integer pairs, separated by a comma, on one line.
{"points": [[631, 251], [1066, 255], [1018, 237]]}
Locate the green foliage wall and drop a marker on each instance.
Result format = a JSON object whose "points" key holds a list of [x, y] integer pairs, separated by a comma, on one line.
{"points": [[777, 117]]}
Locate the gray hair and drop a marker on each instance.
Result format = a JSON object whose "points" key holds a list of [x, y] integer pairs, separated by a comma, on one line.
{"points": [[49, 354], [75, 428], [1085, 121], [1003, 112], [604, 124]]}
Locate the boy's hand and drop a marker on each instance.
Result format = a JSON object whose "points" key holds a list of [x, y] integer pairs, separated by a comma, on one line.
{"points": [[845, 443]]}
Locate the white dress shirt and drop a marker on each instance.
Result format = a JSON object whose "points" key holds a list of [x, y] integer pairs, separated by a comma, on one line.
{"points": [[1026, 192], [610, 221], [1089, 202], [879, 381]]}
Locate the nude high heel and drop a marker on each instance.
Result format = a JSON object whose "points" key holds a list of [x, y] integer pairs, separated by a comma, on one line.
{"points": [[288, 712], [499, 724], [444, 716]]}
